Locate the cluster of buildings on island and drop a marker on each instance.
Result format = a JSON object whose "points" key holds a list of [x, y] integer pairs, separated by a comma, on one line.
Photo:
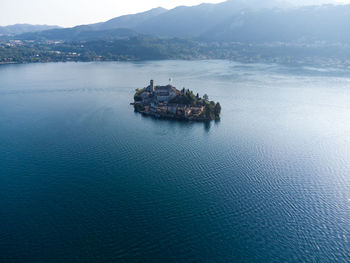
{"points": [[156, 100]]}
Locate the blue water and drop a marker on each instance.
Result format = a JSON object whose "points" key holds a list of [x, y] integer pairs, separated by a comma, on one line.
{"points": [[85, 179]]}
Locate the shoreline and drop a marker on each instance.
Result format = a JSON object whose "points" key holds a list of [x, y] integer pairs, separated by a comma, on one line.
{"points": [[174, 117]]}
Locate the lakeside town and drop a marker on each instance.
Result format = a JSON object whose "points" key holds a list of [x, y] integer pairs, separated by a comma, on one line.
{"points": [[169, 102], [17, 51]]}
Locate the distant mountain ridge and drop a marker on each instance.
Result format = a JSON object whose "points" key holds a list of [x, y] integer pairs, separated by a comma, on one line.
{"points": [[116, 28], [191, 22], [79, 33], [129, 21], [308, 24], [230, 21], [23, 28]]}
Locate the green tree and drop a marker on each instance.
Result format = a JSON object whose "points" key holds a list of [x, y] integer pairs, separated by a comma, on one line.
{"points": [[217, 109], [208, 112]]}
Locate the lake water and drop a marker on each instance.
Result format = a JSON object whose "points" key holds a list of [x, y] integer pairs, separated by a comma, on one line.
{"points": [[85, 179]]}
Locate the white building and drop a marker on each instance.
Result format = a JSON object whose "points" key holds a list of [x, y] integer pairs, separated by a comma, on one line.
{"points": [[165, 93]]}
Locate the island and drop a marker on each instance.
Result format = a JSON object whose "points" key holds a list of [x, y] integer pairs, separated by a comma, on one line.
{"points": [[169, 102]]}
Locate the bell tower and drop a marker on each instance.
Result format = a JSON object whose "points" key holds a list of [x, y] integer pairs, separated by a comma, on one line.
{"points": [[152, 85]]}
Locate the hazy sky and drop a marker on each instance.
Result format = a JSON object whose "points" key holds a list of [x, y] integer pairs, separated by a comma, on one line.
{"points": [[75, 12]]}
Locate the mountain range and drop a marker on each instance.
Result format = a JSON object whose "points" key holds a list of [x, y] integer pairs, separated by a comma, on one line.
{"points": [[23, 28], [250, 21]]}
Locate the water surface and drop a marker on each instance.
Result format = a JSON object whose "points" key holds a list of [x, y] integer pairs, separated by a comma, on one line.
{"points": [[85, 179]]}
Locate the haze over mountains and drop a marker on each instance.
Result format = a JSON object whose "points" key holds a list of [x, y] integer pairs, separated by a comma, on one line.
{"points": [[23, 28], [239, 21], [242, 30]]}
